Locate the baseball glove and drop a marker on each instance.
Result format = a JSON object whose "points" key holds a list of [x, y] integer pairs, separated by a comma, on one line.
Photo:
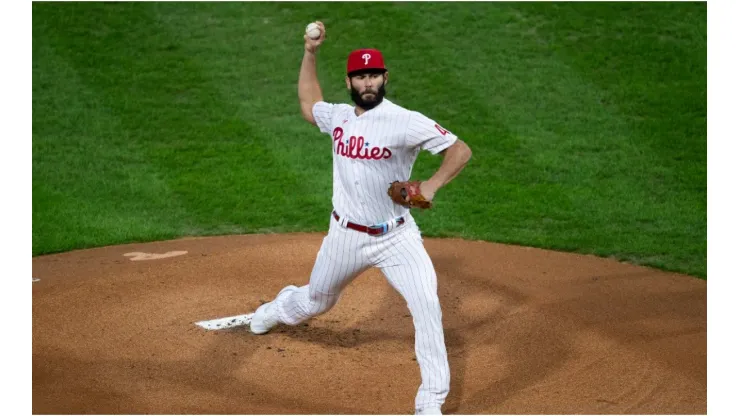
{"points": [[408, 194]]}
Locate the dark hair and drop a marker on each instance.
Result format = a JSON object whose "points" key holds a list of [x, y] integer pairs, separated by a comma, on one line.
{"points": [[367, 71]]}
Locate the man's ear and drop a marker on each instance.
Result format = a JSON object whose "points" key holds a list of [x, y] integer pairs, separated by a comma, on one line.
{"points": [[386, 76], [349, 84]]}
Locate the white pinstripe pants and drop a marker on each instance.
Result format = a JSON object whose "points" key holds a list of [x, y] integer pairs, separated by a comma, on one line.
{"points": [[402, 258]]}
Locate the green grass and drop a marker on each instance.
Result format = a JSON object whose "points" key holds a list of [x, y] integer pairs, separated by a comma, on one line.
{"points": [[587, 121]]}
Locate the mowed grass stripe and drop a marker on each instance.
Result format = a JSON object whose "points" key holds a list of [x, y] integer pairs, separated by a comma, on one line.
{"points": [[91, 184], [256, 71], [558, 145], [562, 159], [212, 159], [650, 62]]}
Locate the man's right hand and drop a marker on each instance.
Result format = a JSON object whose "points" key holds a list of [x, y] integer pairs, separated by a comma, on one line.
{"points": [[312, 45]]}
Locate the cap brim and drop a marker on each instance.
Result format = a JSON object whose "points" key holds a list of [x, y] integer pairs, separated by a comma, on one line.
{"points": [[367, 71]]}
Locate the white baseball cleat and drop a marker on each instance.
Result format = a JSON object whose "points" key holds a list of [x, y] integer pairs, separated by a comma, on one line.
{"points": [[266, 317]]}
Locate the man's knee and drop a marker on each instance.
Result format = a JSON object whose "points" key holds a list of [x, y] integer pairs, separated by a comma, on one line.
{"points": [[426, 308]]}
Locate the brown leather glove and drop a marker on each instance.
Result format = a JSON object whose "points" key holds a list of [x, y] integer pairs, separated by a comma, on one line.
{"points": [[408, 194]]}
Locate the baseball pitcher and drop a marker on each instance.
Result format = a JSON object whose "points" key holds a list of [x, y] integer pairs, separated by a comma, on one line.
{"points": [[375, 143]]}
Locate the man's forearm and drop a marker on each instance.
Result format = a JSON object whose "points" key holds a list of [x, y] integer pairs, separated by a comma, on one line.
{"points": [[455, 159], [309, 90]]}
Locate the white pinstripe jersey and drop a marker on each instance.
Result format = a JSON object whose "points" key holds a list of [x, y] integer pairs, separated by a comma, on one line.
{"points": [[373, 150]]}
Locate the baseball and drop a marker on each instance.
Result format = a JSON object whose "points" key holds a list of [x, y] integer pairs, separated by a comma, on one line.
{"points": [[312, 30]]}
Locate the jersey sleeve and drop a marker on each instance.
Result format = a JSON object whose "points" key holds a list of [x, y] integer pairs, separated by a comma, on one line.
{"points": [[429, 135], [323, 113]]}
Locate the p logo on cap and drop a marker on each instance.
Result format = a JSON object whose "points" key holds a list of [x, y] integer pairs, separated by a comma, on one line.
{"points": [[365, 59]]}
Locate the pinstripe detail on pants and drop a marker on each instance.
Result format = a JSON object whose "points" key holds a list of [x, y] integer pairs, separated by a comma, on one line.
{"points": [[403, 260]]}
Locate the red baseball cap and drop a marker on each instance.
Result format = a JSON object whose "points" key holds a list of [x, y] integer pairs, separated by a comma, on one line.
{"points": [[361, 59]]}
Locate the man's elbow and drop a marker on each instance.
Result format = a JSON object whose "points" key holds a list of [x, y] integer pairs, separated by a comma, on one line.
{"points": [[468, 152], [465, 152], [308, 117], [307, 113]]}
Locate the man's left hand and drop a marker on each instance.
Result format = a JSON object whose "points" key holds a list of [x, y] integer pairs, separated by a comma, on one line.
{"points": [[412, 194]]}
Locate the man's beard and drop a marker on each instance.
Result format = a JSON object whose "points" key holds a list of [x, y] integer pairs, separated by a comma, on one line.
{"points": [[367, 105]]}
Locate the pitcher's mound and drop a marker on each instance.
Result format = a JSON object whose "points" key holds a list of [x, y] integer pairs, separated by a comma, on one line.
{"points": [[527, 331]]}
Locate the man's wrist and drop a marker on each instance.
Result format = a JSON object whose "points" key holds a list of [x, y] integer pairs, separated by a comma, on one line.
{"points": [[435, 184]]}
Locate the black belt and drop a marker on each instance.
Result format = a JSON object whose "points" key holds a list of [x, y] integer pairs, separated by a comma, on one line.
{"points": [[372, 230]]}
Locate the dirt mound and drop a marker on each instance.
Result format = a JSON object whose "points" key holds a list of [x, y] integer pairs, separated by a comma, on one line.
{"points": [[527, 331]]}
